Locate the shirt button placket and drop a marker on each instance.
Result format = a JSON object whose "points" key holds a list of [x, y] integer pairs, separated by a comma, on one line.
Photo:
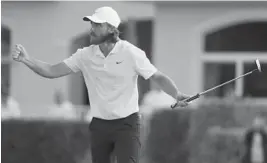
{"points": [[105, 63]]}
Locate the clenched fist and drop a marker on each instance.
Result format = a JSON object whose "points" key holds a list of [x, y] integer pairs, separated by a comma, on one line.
{"points": [[19, 53]]}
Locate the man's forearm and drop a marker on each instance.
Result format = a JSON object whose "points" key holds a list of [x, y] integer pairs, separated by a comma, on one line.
{"points": [[168, 86], [39, 67]]}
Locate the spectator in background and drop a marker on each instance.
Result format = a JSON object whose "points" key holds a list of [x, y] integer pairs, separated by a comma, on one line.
{"points": [[256, 142], [229, 92], [154, 100], [62, 108], [9, 106]]}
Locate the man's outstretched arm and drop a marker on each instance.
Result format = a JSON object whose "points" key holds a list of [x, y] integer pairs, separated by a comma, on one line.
{"points": [[41, 68], [48, 70], [168, 86], [147, 70]]}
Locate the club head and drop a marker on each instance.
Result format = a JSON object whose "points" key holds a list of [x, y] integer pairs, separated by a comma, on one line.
{"points": [[258, 65]]}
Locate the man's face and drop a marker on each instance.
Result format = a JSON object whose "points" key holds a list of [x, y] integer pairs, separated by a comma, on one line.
{"points": [[98, 33]]}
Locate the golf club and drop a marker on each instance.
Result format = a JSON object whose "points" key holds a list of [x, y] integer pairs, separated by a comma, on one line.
{"points": [[211, 89]]}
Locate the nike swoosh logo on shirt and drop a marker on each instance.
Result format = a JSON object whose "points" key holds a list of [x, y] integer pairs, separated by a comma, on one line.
{"points": [[119, 62]]}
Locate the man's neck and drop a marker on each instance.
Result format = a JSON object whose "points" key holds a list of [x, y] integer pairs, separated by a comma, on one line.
{"points": [[106, 47]]}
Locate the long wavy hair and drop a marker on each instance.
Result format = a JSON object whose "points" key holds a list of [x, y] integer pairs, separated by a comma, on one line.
{"points": [[113, 35]]}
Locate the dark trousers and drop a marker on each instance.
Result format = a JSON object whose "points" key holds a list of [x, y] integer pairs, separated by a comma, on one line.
{"points": [[120, 137]]}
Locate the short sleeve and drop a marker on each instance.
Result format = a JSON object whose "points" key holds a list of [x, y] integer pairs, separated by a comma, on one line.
{"points": [[73, 62], [142, 64]]}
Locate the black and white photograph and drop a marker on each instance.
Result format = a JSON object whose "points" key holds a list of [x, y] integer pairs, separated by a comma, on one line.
{"points": [[133, 81]]}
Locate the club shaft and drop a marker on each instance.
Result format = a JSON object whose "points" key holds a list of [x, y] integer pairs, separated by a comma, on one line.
{"points": [[211, 89]]}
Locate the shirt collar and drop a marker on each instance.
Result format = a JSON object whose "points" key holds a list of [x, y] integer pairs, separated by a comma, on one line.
{"points": [[115, 49]]}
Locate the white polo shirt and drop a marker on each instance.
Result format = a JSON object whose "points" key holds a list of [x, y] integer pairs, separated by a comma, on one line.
{"points": [[112, 81]]}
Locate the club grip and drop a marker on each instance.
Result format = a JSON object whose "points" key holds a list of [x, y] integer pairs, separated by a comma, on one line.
{"points": [[188, 100], [192, 98]]}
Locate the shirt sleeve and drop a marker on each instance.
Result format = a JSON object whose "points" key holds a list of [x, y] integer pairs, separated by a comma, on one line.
{"points": [[142, 64], [73, 62]]}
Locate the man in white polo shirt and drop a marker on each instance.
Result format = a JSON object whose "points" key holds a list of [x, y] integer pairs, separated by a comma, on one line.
{"points": [[110, 67]]}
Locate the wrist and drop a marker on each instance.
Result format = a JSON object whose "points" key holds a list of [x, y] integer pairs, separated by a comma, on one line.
{"points": [[180, 96], [25, 60]]}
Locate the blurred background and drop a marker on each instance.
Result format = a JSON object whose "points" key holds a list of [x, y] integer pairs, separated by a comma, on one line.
{"points": [[198, 44]]}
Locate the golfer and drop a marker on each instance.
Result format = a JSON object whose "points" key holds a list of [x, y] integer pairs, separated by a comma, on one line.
{"points": [[110, 67]]}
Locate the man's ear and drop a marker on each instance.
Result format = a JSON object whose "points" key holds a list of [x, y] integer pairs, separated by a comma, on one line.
{"points": [[110, 30]]}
